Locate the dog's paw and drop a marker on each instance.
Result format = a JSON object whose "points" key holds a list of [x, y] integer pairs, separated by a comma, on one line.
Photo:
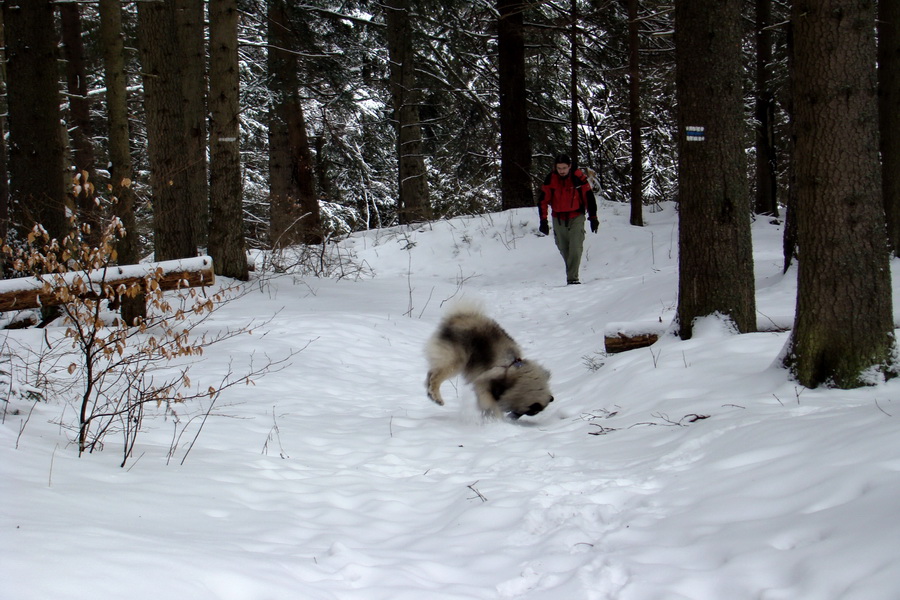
{"points": [[492, 413], [436, 399]]}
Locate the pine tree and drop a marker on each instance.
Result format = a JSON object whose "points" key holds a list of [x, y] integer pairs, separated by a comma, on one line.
{"points": [[295, 216], [112, 41], [162, 63], [889, 113], [189, 22], [413, 201], [764, 111], [715, 247], [634, 105], [226, 235], [79, 122], [843, 326], [515, 142], [36, 149]]}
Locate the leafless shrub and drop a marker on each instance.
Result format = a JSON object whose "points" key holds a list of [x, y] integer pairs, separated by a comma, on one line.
{"points": [[115, 375]]}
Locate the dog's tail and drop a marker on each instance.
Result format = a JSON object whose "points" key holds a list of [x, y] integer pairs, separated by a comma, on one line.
{"points": [[464, 306]]}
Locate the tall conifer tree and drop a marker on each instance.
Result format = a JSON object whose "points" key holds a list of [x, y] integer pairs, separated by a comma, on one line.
{"points": [[843, 326], [715, 247]]}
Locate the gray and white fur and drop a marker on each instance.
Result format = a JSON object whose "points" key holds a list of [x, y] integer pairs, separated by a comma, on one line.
{"points": [[469, 342]]}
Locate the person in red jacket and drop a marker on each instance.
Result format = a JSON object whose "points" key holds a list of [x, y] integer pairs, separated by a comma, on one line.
{"points": [[568, 194]]}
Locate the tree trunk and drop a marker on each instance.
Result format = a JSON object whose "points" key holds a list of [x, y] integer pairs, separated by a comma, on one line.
{"points": [[889, 112], [634, 105], [715, 246], [789, 242], [294, 207], [190, 23], [162, 69], [226, 236], [4, 162], [573, 83], [120, 168], [80, 129], [36, 146], [323, 180], [766, 157], [413, 204], [843, 325], [515, 142]]}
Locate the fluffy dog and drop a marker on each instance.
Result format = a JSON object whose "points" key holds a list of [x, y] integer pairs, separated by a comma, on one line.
{"points": [[469, 342]]}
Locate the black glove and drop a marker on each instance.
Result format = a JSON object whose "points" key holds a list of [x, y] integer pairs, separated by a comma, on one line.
{"points": [[544, 227], [595, 224]]}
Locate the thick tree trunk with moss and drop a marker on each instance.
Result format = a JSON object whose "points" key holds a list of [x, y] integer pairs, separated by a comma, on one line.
{"points": [[715, 246], [843, 325]]}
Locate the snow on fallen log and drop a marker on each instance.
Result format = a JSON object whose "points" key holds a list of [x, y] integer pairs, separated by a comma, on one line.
{"points": [[48, 290], [619, 337]]}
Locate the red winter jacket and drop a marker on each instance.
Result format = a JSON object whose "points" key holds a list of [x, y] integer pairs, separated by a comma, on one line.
{"points": [[567, 196]]}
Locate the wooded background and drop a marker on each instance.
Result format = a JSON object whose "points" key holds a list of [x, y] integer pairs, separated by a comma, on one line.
{"points": [[227, 124]]}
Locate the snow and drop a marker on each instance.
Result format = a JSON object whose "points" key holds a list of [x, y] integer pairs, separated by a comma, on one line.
{"points": [[689, 470]]}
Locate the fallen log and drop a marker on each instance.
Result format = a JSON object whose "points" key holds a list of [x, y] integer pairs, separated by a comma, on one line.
{"points": [[55, 289], [620, 337], [621, 342]]}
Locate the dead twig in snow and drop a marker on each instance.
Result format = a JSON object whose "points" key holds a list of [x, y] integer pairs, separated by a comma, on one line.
{"points": [[477, 493]]}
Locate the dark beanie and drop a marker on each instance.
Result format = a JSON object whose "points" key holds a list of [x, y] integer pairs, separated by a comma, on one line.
{"points": [[562, 158]]}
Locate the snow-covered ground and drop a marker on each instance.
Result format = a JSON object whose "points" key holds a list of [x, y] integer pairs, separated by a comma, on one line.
{"points": [[689, 470]]}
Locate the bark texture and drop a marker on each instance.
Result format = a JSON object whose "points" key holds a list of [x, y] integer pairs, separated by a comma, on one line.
{"points": [[635, 119], [84, 180], [174, 216], [843, 325], [764, 110], [294, 206], [889, 111], [413, 203], [226, 236], [36, 143], [515, 142], [112, 40], [715, 246], [189, 20]]}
